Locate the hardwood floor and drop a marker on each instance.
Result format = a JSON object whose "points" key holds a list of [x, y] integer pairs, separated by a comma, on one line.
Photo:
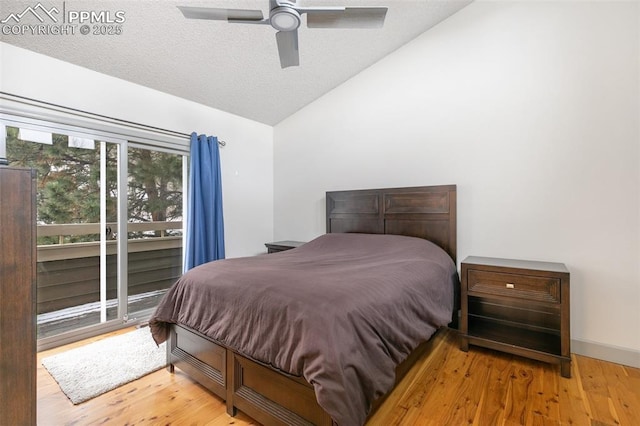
{"points": [[446, 387]]}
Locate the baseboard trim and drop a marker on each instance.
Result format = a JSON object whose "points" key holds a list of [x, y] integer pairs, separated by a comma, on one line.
{"points": [[604, 352]]}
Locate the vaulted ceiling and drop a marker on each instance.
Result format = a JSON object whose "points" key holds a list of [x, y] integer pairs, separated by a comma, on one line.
{"points": [[231, 67]]}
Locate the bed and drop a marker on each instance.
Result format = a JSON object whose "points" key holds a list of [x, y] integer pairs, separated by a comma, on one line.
{"points": [[259, 333]]}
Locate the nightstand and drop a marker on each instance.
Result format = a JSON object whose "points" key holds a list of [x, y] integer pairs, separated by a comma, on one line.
{"points": [[517, 306], [282, 246]]}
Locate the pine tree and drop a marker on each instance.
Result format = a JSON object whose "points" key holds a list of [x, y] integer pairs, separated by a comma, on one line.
{"points": [[68, 181]]}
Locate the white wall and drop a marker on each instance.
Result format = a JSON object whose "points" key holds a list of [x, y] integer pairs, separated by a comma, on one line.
{"points": [[246, 161], [532, 109]]}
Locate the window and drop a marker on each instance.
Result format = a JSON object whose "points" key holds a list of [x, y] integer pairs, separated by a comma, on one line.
{"points": [[155, 205], [109, 219]]}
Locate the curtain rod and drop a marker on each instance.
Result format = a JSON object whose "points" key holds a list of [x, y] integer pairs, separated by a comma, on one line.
{"points": [[117, 120]]}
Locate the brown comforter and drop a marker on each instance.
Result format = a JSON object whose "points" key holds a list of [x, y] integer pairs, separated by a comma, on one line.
{"points": [[342, 311]]}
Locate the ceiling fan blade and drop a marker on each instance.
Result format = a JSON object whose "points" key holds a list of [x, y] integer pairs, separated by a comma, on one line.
{"points": [[350, 17], [220, 14], [288, 48]]}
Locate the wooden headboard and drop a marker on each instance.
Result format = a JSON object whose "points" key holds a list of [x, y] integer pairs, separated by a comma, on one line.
{"points": [[427, 212]]}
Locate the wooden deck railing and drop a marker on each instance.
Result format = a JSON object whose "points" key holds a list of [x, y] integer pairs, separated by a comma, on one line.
{"points": [[67, 229], [64, 250], [68, 273]]}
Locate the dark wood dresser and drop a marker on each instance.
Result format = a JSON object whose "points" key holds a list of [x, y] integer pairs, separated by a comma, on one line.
{"points": [[277, 246], [17, 297], [517, 306]]}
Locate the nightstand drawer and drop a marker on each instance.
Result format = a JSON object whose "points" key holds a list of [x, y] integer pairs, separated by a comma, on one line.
{"points": [[529, 287]]}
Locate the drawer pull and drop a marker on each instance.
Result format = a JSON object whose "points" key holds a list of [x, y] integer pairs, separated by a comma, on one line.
{"points": [[510, 285]]}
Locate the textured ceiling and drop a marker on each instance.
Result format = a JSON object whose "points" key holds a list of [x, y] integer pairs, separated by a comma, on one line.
{"points": [[231, 67]]}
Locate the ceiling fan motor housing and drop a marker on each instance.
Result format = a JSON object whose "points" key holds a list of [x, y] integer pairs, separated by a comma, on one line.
{"points": [[284, 18]]}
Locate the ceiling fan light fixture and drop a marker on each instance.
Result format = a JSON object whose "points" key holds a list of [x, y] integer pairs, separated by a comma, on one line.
{"points": [[284, 19]]}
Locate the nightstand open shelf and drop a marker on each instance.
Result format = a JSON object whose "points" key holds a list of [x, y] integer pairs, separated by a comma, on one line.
{"points": [[513, 335], [516, 306]]}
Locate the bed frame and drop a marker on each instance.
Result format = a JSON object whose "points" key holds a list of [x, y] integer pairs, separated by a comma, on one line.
{"points": [[272, 397]]}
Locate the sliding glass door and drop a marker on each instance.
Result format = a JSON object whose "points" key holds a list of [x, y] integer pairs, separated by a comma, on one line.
{"points": [[81, 245], [109, 214], [155, 206]]}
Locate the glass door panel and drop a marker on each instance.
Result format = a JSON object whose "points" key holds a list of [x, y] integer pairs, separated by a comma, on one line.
{"points": [[77, 224], [155, 227]]}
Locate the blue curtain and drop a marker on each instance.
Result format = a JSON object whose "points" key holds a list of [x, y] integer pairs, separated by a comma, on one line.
{"points": [[205, 225]]}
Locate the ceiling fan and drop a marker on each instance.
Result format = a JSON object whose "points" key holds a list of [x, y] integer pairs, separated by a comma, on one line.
{"points": [[285, 16]]}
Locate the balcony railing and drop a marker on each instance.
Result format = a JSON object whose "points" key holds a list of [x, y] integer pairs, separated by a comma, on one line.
{"points": [[68, 274], [63, 250]]}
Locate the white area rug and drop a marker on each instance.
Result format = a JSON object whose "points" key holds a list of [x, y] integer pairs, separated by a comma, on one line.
{"points": [[91, 370]]}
